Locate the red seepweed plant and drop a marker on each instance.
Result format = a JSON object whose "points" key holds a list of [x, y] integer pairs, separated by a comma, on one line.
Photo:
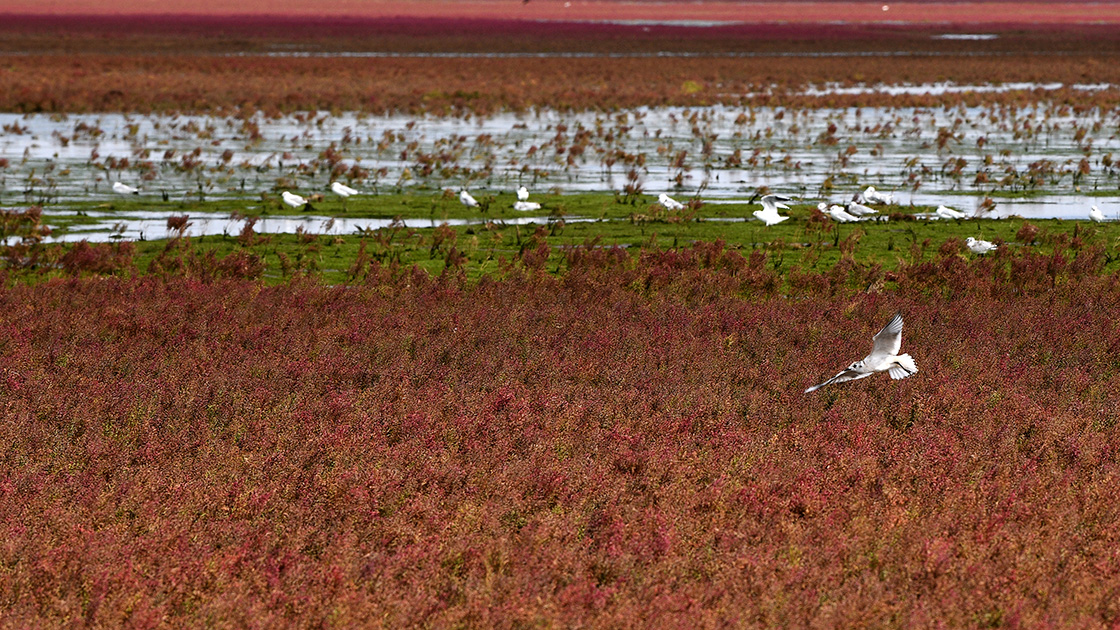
{"points": [[625, 444]]}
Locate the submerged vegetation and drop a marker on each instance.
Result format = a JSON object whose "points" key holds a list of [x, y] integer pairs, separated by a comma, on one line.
{"points": [[994, 149]]}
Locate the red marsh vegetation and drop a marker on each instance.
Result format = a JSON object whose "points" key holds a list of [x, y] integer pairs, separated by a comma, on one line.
{"points": [[983, 12], [145, 83], [154, 63], [626, 445]]}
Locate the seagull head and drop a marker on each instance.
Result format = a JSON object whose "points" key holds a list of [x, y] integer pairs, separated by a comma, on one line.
{"points": [[857, 365]]}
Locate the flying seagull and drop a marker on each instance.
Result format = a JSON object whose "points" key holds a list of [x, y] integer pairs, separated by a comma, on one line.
{"points": [[669, 203], [979, 247], [884, 357], [769, 213]]}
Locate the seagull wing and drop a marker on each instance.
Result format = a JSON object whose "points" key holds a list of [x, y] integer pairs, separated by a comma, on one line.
{"points": [[887, 342], [843, 377], [775, 201]]}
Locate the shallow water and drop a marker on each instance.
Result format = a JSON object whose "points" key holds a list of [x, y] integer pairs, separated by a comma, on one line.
{"points": [[826, 154], [152, 225], [135, 226]]}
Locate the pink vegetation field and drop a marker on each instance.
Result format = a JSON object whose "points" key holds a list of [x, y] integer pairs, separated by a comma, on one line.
{"points": [[998, 12], [625, 446]]}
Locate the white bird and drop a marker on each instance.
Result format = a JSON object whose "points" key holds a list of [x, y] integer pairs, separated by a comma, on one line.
{"points": [[1096, 214], [859, 210], [466, 199], [979, 247], [293, 200], [946, 212], [836, 212], [125, 189], [669, 203], [525, 206], [523, 194], [769, 213], [342, 190], [873, 196], [884, 357]]}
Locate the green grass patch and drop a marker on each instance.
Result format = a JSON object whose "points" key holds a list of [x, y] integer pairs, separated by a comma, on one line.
{"points": [[637, 223]]}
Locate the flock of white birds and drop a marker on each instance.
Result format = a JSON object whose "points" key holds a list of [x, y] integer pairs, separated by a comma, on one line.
{"points": [[858, 209]]}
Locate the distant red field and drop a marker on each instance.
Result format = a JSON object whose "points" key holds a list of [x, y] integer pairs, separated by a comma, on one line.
{"points": [[127, 56], [801, 12]]}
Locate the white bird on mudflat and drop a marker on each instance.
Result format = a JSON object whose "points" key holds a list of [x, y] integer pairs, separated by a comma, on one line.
{"points": [[1096, 214], [769, 213], [525, 206], [979, 247], [873, 196], [836, 212], [669, 203], [342, 190], [946, 212], [293, 200], [125, 189], [523, 194], [884, 357], [859, 210], [466, 199]]}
